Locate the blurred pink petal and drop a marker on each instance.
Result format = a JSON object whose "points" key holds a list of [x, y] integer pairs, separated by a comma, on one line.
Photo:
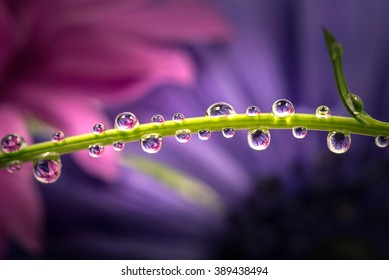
{"points": [[74, 116], [21, 211]]}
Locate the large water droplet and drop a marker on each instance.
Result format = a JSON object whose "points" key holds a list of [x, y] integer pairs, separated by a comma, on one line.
{"points": [[157, 119], [12, 143], [228, 132], [151, 143], [98, 128], [183, 135], [338, 142], [253, 111], [299, 132], [178, 117], [14, 166], [220, 109], [47, 170], [323, 112], [118, 146], [126, 121], [258, 139], [282, 108], [57, 137], [96, 150], [381, 141], [204, 134]]}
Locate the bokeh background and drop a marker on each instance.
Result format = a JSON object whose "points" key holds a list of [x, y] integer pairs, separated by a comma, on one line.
{"points": [[76, 63]]}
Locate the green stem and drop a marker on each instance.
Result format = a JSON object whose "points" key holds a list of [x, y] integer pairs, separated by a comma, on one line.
{"points": [[168, 128]]}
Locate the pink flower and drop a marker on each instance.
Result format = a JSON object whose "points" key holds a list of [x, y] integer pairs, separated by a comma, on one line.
{"points": [[61, 60]]}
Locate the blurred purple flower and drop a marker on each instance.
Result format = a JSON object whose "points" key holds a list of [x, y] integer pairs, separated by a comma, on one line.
{"points": [[61, 60]]}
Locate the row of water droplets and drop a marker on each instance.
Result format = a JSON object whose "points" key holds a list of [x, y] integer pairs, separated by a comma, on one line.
{"points": [[47, 168]]}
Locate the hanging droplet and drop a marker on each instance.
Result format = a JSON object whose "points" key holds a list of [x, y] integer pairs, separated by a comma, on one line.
{"points": [[14, 166], [47, 170], [282, 108], [299, 132], [12, 143], [338, 142], [323, 112], [98, 128], [96, 150], [151, 143], [204, 134], [126, 121], [57, 137], [220, 109], [183, 135], [118, 146], [157, 119], [253, 111], [178, 117], [228, 132], [381, 141], [258, 139]]}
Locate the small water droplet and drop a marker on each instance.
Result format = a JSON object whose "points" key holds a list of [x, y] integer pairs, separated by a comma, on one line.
{"points": [[299, 132], [98, 128], [96, 150], [151, 143], [258, 139], [178, 117], [323, 112], [47, 170], [57, 137], [14, 166], [220, 109], [228, 132], [118, 146], [282, 108], [183, 135], [12, 143], [157, 119], [253, 111], [204, 134], [126, 121], [338, 142], [381, 141], [357, 104]]}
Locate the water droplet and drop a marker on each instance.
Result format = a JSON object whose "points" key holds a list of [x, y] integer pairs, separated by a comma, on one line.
{"points": [[151, 143], [258, 139], [96, 150], [12, 143], [14, 166], [204, 134], [253, 111], [338, 142], [282, 108], [47, 170], [178, 117], [126, 121], [382, 141], [183, 135], [299, 132], [357, 104], [228, 132], [57, 137], [323, 112], [220, 109], [118, 146], [157, 119], [98, 128]]}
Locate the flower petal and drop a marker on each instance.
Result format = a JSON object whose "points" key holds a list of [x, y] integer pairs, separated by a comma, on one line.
{"points": [[21, 211], [73, 114]]}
